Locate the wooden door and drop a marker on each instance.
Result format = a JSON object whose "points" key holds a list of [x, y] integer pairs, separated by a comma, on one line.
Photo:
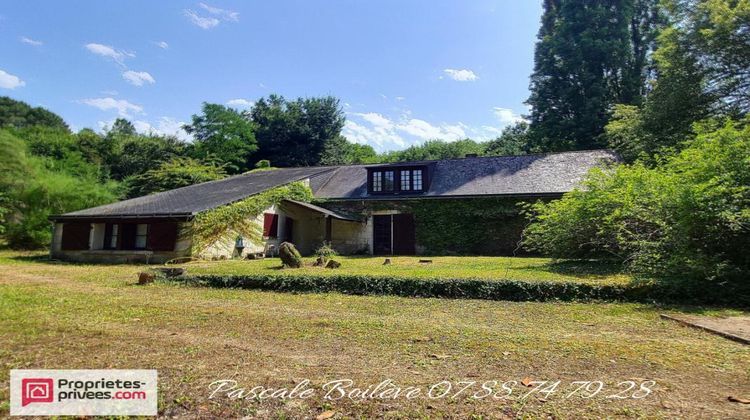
{"points": [[288, 229], [404, 238], [381, 235]]}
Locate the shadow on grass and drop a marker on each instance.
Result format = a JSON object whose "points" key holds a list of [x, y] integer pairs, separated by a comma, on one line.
{"points": [[585, 269], [45, 259], [40, 258]]}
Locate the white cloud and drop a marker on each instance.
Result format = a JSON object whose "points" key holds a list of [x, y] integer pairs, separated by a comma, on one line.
{"points": [[138, 78], [400, 98], [506, 116], [240, 103], [9, 81], [386, 134], [426, 131], [221, 13], [110, 92], [200, 21], [377, 120], [463, 75], [165, 126], [382, 140], [123, 107], [109, 52], [30, 41], [161, 44]]}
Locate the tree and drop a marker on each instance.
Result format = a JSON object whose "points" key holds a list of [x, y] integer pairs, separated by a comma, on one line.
{"points": [[682, 93], [590, 55], [175, 173], [296, 133], [33, 190], [436, 150], [512, 141], [340, 151], [19, 114], [140, 153], [716, 34], [122, 127], [223, 134]]}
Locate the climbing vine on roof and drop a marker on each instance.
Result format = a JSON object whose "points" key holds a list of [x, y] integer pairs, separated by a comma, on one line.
{"points": [[226, 222]]}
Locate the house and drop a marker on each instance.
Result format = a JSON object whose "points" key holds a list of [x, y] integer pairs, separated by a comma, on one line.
{"points": [[452, 206]]}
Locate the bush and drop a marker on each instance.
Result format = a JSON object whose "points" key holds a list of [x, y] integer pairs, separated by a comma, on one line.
{"points": [[32, 192], [324, 253], [510, 290], [688, 217]]}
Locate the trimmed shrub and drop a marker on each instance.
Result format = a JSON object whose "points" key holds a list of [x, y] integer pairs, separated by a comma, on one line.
{"points": [[510, 290]]}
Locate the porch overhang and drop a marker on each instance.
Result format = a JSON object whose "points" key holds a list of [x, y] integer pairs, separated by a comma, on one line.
{"points": [[325, 212]]}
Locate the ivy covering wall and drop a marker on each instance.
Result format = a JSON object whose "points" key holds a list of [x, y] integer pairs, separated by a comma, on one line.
{"points": [[465, 226], [226, 222]]}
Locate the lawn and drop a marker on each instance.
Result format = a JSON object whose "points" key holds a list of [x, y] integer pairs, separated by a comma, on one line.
{"points": [[93, 316], [493, 268]]}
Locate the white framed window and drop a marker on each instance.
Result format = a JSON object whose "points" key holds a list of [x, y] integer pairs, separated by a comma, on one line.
{"points": [[389, 180], [377, 181], [141, 233], [417, 174], [405, 180], [115, 233]]}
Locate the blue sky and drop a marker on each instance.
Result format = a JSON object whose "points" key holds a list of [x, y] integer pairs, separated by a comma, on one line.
{"points": [[405, 71]]}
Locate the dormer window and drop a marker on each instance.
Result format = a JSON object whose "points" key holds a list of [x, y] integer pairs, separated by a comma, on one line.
{"points": [[377, 181], [406, 180], [398, 180]]}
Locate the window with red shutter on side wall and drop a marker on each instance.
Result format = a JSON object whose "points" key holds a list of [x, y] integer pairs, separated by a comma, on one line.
{"points": [[270, 225]]}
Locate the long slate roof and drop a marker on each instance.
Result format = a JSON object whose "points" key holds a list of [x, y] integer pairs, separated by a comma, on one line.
{"points": [[542, 174], [193, 199]]}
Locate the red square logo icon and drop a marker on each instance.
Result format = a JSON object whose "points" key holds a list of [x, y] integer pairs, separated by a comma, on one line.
{"points": [[37, 390]]}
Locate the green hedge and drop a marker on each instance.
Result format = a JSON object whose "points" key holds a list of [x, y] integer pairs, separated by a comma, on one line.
{"points": [[509, 290]]}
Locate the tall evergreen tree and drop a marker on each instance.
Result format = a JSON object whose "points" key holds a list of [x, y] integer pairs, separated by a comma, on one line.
{"points": [[590, 55]]}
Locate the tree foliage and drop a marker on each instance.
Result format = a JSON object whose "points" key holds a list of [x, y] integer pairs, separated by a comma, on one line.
{"points": [[175, 173], [688, 216], [33, 190], [590, 55], [223, 134], [296, 133], [716, 34], [19, 114], [437, 149], [340, 151], [514, 140]]}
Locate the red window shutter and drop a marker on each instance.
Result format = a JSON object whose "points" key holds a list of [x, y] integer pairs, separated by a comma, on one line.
{"points": [[75, 236], [270, 225], [162, 236]]}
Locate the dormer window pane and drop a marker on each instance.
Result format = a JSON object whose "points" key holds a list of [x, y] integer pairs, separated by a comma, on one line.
{"points": [[417, 179], [388, 180], [405, 180], [377, 181]]}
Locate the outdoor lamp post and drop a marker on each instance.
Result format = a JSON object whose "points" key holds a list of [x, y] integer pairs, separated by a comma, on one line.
{"points": [[239, 244]]}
